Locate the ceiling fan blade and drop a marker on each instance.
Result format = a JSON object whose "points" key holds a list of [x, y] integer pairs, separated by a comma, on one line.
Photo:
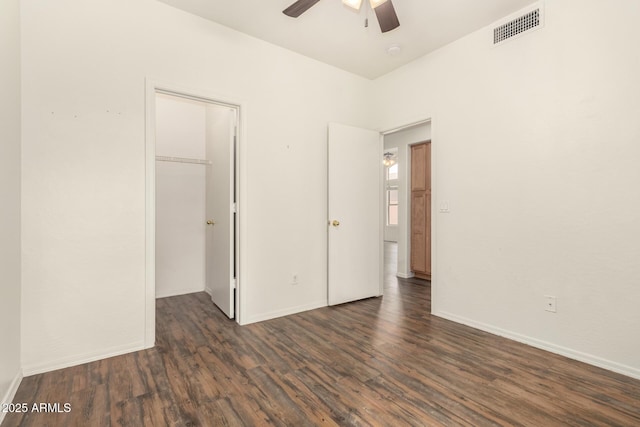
{"points": [[387, 17], [299, 7]]}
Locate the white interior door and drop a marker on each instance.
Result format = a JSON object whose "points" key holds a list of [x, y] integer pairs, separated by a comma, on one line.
{"points": [[355, 214], [220, 207]]}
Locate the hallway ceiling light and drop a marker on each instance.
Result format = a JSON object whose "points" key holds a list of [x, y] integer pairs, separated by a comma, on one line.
{"points": [[388, 159]]}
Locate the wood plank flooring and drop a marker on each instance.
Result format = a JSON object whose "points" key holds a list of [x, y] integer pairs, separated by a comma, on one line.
{"points": [[381, 361]]}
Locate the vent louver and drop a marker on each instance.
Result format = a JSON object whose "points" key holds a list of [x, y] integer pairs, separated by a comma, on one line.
{"points": [[517, 26]]}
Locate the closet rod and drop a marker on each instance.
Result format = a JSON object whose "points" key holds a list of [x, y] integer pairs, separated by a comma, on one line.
{"points": [[183, 160]]}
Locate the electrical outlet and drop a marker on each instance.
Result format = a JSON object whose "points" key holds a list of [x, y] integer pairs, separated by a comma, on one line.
{"points": [[294, 279], [550, 303]]}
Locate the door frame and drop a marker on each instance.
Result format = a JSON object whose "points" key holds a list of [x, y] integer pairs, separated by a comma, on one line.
{"points": [[434, 198], [154, 86]]}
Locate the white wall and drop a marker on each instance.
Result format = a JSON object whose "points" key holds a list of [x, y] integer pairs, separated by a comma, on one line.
{"points": [[10, 372], [536, 148], [180, 197], [84, 71], [401, 140]]}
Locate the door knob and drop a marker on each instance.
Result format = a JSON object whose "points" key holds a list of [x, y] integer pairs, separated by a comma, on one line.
{"points": [[211, 222], [335, 223]]}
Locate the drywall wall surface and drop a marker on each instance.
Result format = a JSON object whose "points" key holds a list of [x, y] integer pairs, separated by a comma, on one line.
{"points": [[535, 146], [10, 196], [402, 140], [180, 197], [84, 69]]}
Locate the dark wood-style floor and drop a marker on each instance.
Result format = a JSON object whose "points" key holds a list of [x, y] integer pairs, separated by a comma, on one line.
{"points": [[381, 361]]}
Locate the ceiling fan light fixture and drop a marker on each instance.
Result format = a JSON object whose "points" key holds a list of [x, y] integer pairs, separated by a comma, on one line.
{"points": [[384, 11], [376, 3], [354, 4]]}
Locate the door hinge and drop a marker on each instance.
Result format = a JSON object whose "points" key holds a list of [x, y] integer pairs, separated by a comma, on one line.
{"points": [[235, 208], [234, 283]]}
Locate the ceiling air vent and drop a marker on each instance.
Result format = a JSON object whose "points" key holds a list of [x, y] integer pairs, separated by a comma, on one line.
{"points": [[516, 26]]}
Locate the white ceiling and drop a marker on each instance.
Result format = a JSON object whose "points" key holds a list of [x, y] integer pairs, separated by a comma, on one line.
{"points": [[335, 34]]}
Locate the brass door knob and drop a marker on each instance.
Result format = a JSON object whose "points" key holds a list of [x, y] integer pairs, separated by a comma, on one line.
{"points": [[211, 222], [335, 223]]}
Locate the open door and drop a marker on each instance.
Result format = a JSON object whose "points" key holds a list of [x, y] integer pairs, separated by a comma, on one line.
{"points": [[220, 207], [355, 214]]}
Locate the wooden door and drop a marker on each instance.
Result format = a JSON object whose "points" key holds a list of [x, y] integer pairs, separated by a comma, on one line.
{"points": [[421, 210], [355, 214]]}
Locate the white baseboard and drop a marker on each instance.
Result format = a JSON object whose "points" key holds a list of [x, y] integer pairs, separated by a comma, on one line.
{"points": [[405, 276], [67, 362], [176, 292], [11, 393], [280, 313], [544, 345]]}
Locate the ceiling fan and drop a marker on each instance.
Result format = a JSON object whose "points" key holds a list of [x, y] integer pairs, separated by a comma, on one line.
{"points": [[384, 10]]}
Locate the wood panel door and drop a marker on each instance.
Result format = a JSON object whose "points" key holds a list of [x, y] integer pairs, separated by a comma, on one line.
{"points": [[421, 210]]}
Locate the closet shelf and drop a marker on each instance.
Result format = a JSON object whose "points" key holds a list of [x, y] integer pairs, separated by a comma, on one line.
{"points": [[183, 160]]}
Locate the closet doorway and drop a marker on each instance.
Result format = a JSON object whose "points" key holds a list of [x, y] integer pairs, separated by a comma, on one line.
{"points": [[196, 225]]}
